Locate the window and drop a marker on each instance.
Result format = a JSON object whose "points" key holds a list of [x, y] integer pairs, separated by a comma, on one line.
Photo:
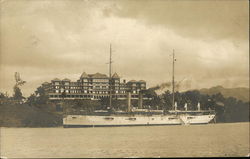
{"points": [[131, 119], [172, 118], [109, 118]]}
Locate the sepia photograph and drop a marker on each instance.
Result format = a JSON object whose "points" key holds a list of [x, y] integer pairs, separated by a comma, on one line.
{"points": [[124, 78]]}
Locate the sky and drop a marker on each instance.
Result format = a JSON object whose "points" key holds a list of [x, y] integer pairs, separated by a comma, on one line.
{"points": [[47, 39]]}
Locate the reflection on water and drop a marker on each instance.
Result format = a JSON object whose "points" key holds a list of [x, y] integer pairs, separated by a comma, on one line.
{"points": [[156, 141]]}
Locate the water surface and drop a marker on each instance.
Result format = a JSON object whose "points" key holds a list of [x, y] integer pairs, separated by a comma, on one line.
{"points": [[213, 140]]}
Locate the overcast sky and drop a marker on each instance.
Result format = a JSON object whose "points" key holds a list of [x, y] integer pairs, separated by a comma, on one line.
{"points": [[44, 39]]}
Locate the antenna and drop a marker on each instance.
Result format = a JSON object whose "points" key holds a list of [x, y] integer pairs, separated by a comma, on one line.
{"points": [[173, 81], [110, 77]]}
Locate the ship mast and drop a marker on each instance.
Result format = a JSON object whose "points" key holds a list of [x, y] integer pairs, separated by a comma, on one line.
{"points": [[173, 82], [110, 78]]}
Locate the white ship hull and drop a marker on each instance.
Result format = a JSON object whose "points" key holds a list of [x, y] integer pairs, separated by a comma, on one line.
{"points": [[113, 120], [196, 119], [138, 120]]}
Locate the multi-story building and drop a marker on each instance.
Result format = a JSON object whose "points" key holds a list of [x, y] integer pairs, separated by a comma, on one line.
{"points": [[93, 86]]}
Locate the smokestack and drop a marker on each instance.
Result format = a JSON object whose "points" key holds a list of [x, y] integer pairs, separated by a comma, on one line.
{"points": [[129, 101], [140, 100], [199, 106], [186, 106], [175, 106]]}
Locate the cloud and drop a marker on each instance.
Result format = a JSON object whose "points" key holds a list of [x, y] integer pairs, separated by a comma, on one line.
{"points": [[47, 39], [206, 19]]}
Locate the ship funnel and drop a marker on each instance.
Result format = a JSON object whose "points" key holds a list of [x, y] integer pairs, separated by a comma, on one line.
{"points": [[186, 106], [198, 106], [129, 101], [140, 100], [175, 106]]}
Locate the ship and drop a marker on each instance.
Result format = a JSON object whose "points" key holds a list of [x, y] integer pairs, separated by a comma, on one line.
{"points": [[138, 116]]}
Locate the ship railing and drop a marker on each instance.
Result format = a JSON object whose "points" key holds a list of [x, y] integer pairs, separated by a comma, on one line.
{"points": [[204, 112]]}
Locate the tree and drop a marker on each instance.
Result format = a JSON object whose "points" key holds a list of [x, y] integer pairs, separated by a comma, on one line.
{"points": [[17, 93], [192, 98], [154, 99], [2, 95], [31, 99], [41, 96], [149, 93], [218, 97], [167, 100], [4, 98]]}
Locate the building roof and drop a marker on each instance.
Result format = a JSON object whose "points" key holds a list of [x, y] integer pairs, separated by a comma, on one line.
{"points": [[66, 79], [56, 79], [84, 75], [44, 83], [98, 75], [115, 75]]}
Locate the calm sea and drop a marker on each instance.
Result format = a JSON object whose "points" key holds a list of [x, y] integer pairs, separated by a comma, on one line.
{"points": [[155, 141]]}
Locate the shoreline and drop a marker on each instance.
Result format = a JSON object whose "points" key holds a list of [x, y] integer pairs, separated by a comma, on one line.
{"points": [[132, 126]]}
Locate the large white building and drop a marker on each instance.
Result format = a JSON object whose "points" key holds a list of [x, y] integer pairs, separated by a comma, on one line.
{"points": [[94, 87]]}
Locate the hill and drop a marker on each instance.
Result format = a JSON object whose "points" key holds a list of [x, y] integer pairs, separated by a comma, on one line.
{"points": [[240, 93]]}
